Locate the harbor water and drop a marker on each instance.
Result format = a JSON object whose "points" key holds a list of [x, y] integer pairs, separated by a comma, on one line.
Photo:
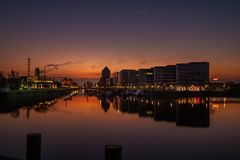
{"points": [[78, 127]]}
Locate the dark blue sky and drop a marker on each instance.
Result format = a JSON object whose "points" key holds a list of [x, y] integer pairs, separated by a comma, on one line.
{"points": [[91, 17], [129, 34]]}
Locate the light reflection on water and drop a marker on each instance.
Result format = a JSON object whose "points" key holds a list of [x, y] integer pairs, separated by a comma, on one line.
{"points": [[77, 127]]}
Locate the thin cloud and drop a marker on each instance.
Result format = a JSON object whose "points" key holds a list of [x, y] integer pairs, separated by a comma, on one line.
{"points": [[93, 66], [142, 13], [143, 62], [66, 63], [120, 61], [52, 67]]}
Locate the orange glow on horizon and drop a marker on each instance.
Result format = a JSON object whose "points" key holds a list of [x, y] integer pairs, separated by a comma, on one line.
{"points": [[91, 65]]}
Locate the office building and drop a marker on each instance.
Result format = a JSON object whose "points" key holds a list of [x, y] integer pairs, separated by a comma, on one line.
{"points": [[115, 77], [146, 76], [165, 74], [128, 77], [109, 81], [194, 73]]}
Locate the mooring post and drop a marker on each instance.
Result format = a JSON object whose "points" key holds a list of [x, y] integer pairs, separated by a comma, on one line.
{"points": [[33, 146], [113, 152]]}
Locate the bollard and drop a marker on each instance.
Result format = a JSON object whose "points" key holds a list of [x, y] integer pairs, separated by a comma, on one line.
{"points": [[113, 152], [33, 146]]}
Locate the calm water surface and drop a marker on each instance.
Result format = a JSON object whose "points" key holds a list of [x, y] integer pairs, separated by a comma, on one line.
{"points": [[79, 127]]}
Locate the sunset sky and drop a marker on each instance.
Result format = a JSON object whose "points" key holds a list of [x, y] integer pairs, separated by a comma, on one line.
{"points": [[121, 34]]}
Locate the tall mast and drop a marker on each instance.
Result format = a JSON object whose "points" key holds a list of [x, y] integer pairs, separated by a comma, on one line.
{"points": [[28, 66]]}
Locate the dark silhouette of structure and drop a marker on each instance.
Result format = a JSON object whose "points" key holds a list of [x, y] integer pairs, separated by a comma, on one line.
{"points": [[105, 75], [194, 73], [33, 146], [37, 73], [192, 76], [113, 152], [28, 66]]}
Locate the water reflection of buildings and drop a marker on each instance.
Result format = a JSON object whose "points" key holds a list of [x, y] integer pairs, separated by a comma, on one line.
{"points": [[41, 107], [195, 114], [165, 110], [104, 103], [192, 112]]}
